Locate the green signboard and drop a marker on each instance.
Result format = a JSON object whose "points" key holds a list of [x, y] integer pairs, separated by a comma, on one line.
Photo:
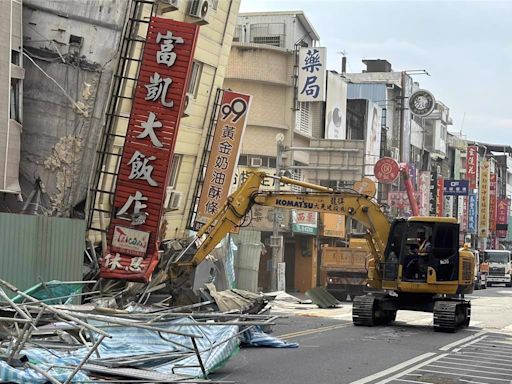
{"points": [[303, 228]]}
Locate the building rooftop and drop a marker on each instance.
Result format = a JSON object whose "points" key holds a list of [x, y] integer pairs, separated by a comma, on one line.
{"points": [[493, 147], [299, 14]]}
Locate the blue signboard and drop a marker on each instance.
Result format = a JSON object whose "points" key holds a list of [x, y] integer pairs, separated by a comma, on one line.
{"points": [[472, 223], [456, 187]]}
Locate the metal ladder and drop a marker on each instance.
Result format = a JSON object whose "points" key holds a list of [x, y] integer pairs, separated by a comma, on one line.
{"points": [[108, 155]]}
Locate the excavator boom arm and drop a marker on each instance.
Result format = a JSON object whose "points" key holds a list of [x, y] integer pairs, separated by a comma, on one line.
{"points": [[359, 207]]}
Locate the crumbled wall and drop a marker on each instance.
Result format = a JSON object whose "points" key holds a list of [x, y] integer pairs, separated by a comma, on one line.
{"points": [[60, 136], [64, 165], [66, 89]]}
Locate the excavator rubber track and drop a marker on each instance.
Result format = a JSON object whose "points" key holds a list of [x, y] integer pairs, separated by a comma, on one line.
{"points": [[450, 315], [363, 310]]}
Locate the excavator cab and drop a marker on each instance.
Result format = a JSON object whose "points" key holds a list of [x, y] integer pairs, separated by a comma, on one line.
{"points": [[421, 250], [426, 270], [424, 250]]}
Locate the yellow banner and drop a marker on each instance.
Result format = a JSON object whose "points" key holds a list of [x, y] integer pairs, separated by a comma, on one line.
{"points": [[224, 152]]}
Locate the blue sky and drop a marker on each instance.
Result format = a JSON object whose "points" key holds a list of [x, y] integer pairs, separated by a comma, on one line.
{"points": [[466, 46]]}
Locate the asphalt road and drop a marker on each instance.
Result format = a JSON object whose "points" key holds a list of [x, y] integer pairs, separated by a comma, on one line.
{"points": [[332, 350]]}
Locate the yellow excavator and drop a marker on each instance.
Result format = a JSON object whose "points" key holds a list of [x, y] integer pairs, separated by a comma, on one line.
{"points": [[416, 263]]}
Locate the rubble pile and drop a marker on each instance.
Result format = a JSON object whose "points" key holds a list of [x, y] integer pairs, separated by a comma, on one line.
{"points": [[60, 332]]}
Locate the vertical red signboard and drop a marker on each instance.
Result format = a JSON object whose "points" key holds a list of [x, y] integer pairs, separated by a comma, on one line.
{"points": [[133, 234], [502, 217], [492, 203], [472, 166]]}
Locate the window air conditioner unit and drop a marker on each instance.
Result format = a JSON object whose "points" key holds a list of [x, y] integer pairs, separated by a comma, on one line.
{"points": [[172, 199], [186, 105], [256, 162], [169, 5], [199, 9]]}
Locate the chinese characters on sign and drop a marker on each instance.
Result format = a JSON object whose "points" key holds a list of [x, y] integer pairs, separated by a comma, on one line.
{"points": [[462, 212], [502, 217], [472, 166], [433, 194], [400, 201], [472, 224], [333, 225], [423, 190], [483, 199], [492, 203], [386, 170], [304, 222], [456, 187], [440, 196], [132, 252], [311, 84], [233, 111]]}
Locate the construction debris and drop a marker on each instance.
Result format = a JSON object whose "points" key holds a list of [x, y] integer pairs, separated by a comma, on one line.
{"points": [[322, 298], [47, 336]]}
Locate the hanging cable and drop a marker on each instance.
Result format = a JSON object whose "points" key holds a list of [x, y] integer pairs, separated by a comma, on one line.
{"points": [[57, 84]]}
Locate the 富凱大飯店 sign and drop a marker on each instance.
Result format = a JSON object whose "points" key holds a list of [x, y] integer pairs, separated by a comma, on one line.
{"points": [[134, 230]]}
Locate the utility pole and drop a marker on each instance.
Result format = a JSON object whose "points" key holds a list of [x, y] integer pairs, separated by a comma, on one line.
{"points": [[277, 276]]}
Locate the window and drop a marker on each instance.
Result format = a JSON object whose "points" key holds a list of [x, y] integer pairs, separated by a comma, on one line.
{"points": [[195, 78], [242, 160], [268, 40], [237, 37], [15, 101], [15, 57], [303, 123], [175, 169], [268, 33]]}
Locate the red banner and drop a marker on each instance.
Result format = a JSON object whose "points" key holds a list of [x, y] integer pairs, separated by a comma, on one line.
{"points": [[502, 217], [440, 196], [472, 166], [133, 234], [492, 203]]}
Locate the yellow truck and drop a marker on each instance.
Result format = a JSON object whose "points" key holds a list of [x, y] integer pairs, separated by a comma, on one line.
{"points": [[346, 269]]}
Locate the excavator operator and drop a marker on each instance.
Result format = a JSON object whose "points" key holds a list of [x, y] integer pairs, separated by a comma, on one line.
{"points": [[416, 267], [424, 243]]}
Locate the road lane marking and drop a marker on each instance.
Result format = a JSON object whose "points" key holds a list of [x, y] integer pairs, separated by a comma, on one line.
{"points": [[497, 345], [412, 369], [472, 382], [469, 343], [462, 341], [477, 365], [393, 369], [455, 374], [491, 350], [478, 360], [469, 370], [483, 354], [313, 331]]}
